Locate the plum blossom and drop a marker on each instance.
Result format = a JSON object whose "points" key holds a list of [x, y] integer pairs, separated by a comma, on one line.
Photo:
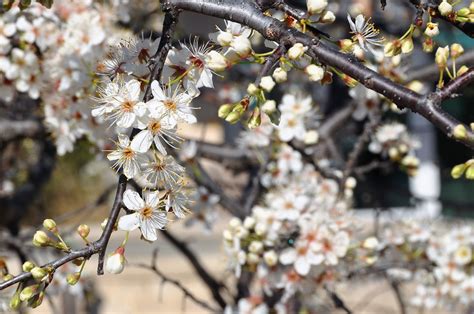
{"points": [[147, 214], [125, 157]]}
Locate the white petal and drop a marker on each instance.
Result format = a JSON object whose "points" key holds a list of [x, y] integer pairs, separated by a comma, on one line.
{"points": [[115, 155], [152, 199], [160, 146], [126, 119], [142, 141], [288, 256], [148, 231], [133, 88], [157, 91], [129, 222], [302, 266], [132, 200]]}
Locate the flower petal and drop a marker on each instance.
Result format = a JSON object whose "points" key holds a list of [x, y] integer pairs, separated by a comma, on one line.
{"points": [[132, 200], [142, 141], [129, 222]]}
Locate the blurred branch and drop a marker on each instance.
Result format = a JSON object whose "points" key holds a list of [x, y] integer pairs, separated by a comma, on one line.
{"points": [[11, 129], [212, 284], [165, 279], [430, 72]]}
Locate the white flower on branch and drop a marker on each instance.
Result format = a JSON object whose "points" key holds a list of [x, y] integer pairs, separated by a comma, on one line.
{"points": [[365, 33], [147, 214], [125, 157]]}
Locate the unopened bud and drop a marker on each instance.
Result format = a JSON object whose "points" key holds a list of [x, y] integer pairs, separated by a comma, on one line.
{"points": [[41, 239], [104, 223], [462, 70], [407, 45], [116, 262], [270, 258], [28, 292], [249, 222], [50, 225], [460, 132], [316, 6], [15, 301], [28, 266], [463, 12], [73, 278], [346, 45], [456, 50], [269, 106], [252, 89], [280, 75], [38, 273], [224, 110], [267, 83], [441, 57], [458, 171], [470, 172], [296, 51], [392, 48], [350, 183], [327, 18], [315, 73], [255, 247], [445, 8], [83, 230], [255, 119]]}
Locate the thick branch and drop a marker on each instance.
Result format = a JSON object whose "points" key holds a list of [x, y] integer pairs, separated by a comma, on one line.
{"points": [[248, 13]]}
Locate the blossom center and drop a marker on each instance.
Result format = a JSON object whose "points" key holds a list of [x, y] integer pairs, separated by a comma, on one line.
{"points": [[197, 62], [127, 105], [155, 127], [170, 104], [128, 153], [147, 211]]}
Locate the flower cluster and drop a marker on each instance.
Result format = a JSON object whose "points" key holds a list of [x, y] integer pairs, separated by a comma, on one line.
{"points": [[393, 140]]}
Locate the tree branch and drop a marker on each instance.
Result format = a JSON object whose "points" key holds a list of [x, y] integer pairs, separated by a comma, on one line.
{"points": [[98, 246], [249, 14], [213, 285], [165, 279]]}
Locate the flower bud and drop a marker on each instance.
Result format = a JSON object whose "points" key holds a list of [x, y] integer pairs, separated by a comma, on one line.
{"points": [[252, 258], [445, 8], [83, 230], [267, 83], [441, 57], [233, 117], [392, 48], [28, 292], [15, 301], [37, 300], [252, 89], [459, 132], [234, 223], [463, 12], [224, 110], [103, 224], [260, 229], [227, 235], [346, 45], [407, 45], [296, 51], [28, 266], [416, 86], [280, 75], [216, 61], [432, 29], [249, 222], [315, 73], [269, 106], [456, 50], [50, 225], [38, 273], [311, 137], [462, 70], [242, 46], [256, 247], [458, 171], [428, 44], [370, 243], [328, 17], [470, 172], [316, 6], [255, 119], [350, 183], [116, 261], [225, 38], [270, 258], [41, 239], [73, 278]]}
